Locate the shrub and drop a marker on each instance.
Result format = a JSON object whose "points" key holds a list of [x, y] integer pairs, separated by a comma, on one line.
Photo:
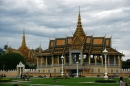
{"points": [[5, 80], [105, 81]]}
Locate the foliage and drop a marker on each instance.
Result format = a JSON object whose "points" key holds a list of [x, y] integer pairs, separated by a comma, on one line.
{"points": [[5, 47], [5, 80], [105, 81], [1, 51], [92, 60], [30, 67], [10, 60], [126, 64], [37, 49]]}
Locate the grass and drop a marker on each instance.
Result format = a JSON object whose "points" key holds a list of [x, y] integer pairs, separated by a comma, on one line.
{"points": [[64, 82]]}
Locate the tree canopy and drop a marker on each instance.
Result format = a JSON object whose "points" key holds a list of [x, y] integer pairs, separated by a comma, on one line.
{"points": [[1, 51], [126, 64], [10, 60]]}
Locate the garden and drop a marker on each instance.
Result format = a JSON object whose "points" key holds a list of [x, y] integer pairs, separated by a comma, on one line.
{"points": [[37, 81]]}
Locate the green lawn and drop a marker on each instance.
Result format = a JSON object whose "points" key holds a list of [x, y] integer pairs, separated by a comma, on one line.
{"points": [[64, 82]]}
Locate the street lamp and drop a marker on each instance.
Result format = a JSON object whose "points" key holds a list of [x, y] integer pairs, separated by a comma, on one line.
{"points": [[77, 68], [62, 72], [105, 52]]}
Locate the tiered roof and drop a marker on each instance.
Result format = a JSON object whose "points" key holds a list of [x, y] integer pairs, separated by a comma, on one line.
{"points": [[79, 41]]}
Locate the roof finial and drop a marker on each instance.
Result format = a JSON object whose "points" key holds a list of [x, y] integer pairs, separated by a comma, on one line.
{"points": [[105, 35], [40, 45], [79, 14], [23, 32], [111, 35], [93, 34], [79, 9], [40, 48], [49, 39]]}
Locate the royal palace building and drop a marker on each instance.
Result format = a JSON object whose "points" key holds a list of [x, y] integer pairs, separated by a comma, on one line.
{"points": [[28, 54], [81, 48]]}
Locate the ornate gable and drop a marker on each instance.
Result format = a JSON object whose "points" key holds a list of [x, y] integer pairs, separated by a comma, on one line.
{"points": [[77, 43]]}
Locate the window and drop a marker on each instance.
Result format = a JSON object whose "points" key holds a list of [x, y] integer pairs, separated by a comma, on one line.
{"points": [[38, 71], [54, 70], [43, 71], [111, 71], [60, 70], [116, 71], [48, 71], [98, 70], [92, 70]]}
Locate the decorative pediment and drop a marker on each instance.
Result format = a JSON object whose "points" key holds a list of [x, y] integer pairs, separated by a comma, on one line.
{"points": [[77, 43]]}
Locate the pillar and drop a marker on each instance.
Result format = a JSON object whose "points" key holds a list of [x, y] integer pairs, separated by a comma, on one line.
{"points": [[64, 59], [108, 60], [46, 61], [81, 56], [52, 58], [70, 58], [114, 60], [58, 59], [119, 61], [37, 61], [41, 61], [101, 59], [89, 59], [95, 57]]}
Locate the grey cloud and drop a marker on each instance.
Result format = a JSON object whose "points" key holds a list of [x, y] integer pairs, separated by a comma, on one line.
{"points": [[42, 19]]}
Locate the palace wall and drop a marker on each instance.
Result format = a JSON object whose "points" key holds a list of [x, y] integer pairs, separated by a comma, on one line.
{"points": [[36, 73]]}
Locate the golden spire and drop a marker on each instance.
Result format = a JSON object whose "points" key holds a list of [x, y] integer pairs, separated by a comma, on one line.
{"points": [[23, 46], [79, 29], [40, 49], [23, 40]]}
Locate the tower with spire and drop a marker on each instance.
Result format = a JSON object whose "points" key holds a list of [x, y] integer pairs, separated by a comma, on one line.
{"points": [[79, 35], [24, 50], [28, 54], [79, 30], [23, 45]]}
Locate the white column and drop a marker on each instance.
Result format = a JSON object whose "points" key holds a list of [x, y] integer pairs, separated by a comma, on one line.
{"points": [[81, 56], [89, 59], [95, 57], [70, 58], [101, 59], [77, 69]]}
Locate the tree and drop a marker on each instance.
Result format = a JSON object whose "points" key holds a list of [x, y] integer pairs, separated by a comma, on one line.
{"points": [[10, 60], [37, 49], [126, 64], [1, 51], [5, 47]]}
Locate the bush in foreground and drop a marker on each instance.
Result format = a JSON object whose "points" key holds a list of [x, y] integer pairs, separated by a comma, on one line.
{"points": [[105, 81], [5, 80]]}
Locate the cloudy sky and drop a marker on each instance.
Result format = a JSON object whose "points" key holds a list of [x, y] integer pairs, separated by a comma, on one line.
{"points": [[44, 19]]}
